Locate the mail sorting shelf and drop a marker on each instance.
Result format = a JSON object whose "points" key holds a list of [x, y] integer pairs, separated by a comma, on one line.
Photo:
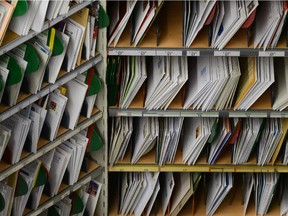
{"points": [[12, 40], [262, 108], [65, 190], [170, 41], [195, 205], [44, 145], [123, 51], [170, 44], [147, 163], [26, 99]]}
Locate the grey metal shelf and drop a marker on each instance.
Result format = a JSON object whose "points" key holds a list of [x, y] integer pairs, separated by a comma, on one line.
{"points": [[51, 87], [139, 51], [21, 39], [66, 192], [196, 113], [15, 167]]}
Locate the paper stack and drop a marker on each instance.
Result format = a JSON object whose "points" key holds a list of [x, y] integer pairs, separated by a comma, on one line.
{"points": [[146, 132], [230, 16], [209, 78], [56, 106], [168, 139], [195, 16], [136, 190], [269, 140], [169, 74], [76, 146], [248, 138], [222, 138], [119, 14], [36, 193], [134, 73], [16, 68], [219, 186], [19, 125], [26, 180], [226, 97], [6, 12], [59, 164], [121, 131], [197, 132], [265, 185], [5, 134], [265, 29], [257, 75], [7, 194], [280, 101]]}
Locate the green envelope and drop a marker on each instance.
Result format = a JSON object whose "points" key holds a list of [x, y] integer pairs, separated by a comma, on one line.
{"points": [[15, 75], [103, 18], [1, 84], [21, 187], [77, 204], [32, 58], [58, 46], [53, 212], [95, 142], [42, 176], [2, 202], [214, 131], [95, 86], [112, 80], [21, 8]]}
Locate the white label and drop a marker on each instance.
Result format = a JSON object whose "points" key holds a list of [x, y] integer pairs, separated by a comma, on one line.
{"points": [[210, 114], [136, 114], [238, 114], [226, 53], [193, 53], [278, 115], [116, 52], [131, 52], [146, 53], [259, 114], [171, 114], [169, 53], [191, 114], [271, 53]]}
